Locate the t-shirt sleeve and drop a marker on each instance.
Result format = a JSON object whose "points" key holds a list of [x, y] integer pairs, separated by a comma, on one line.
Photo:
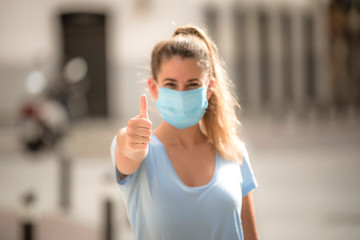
{"points": [[249, 180]]}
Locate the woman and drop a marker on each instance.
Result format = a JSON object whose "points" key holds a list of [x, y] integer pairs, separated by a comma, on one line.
{"points": [[190, 178]]}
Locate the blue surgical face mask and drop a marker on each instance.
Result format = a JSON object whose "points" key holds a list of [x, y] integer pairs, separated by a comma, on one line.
{"points": [[182, 109]]}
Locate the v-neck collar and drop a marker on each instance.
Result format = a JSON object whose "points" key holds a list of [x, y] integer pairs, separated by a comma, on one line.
{"points": [[178, 179]]}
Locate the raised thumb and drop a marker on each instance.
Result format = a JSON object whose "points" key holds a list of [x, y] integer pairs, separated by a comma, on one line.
{"points": [[143, 107]]}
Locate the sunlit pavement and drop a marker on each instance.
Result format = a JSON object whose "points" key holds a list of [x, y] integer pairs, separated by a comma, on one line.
{"points": [[307, 171], [309, 178]]}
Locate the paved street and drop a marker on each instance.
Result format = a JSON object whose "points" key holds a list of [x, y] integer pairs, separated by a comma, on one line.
{"points": [[308, 172], [309, 179]]}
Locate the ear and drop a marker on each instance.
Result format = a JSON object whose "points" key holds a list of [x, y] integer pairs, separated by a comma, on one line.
{"points": [[211, 87], [153, 88]]}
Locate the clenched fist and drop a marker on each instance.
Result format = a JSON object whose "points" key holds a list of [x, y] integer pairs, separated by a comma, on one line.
{"points": [[132, 141]]}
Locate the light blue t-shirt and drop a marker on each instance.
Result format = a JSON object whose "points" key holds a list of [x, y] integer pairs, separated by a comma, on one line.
{"points": [[161, 207]]}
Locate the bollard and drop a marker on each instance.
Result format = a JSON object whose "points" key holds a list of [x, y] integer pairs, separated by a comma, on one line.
{"points": [[27, 225], [108, 219], [64, 182], [28, 230]]}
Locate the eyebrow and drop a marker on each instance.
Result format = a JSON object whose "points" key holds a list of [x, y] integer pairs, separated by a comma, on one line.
{"points": [[193, 80], [174, 80], [170, 79]]}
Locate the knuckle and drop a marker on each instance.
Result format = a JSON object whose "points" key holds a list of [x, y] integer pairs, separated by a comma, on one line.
{"points": [[129, 146], [146, 123], [129, 133], [130, 140], [132, 121]]}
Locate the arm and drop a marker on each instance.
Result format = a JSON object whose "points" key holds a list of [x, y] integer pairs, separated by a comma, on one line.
{"points": [[127, 162], [248, 218], [132, 142]]}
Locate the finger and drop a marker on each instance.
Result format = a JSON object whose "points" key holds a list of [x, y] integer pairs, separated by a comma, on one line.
{"points": [[137, 146], [134, 139], [143, 107], [142, 132], [136, 123]]}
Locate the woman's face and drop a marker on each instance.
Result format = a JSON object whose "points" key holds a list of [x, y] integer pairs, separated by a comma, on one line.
{"points": [[180, 74]]}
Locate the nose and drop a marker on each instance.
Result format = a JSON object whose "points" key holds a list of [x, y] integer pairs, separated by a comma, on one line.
{"points": [[181, 88]]}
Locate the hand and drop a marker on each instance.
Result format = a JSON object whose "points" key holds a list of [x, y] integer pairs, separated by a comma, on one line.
{"points": [[138, 130]]}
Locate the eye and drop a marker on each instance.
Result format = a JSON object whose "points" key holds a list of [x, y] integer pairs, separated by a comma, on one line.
{"points": [[170, 85], [193, 85]]}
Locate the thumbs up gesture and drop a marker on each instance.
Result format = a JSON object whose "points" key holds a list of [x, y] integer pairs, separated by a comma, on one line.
{"points": [[132, 141], [138, 130]]}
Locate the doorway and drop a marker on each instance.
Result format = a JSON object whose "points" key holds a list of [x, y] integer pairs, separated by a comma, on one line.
{"points": [[84, 36]]}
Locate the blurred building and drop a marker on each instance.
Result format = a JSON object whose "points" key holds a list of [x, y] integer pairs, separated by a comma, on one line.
{"points": [[282, 55], [286, 58]]}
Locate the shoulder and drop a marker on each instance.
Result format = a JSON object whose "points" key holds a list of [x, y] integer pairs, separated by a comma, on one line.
{"points": [[244, 152], [245, 156], [243, 167]]}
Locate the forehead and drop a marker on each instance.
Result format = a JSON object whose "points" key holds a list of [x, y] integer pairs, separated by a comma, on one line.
{"points": [[180, 68]]}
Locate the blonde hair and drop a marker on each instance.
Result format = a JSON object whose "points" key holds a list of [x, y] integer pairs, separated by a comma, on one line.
{"points": [[220, 123]]}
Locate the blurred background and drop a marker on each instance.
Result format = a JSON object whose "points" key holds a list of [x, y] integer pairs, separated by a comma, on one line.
{"points": [[72, 72]]}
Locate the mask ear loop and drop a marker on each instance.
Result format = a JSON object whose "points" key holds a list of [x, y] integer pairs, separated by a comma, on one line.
{"points": [[156, 82], [154, 87], [157, 85]]}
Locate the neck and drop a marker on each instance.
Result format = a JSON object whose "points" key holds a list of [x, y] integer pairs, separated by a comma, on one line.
{"points": [[181, 137]]}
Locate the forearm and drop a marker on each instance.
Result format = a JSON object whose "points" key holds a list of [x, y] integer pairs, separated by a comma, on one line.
{"points": [[249, 219]]}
